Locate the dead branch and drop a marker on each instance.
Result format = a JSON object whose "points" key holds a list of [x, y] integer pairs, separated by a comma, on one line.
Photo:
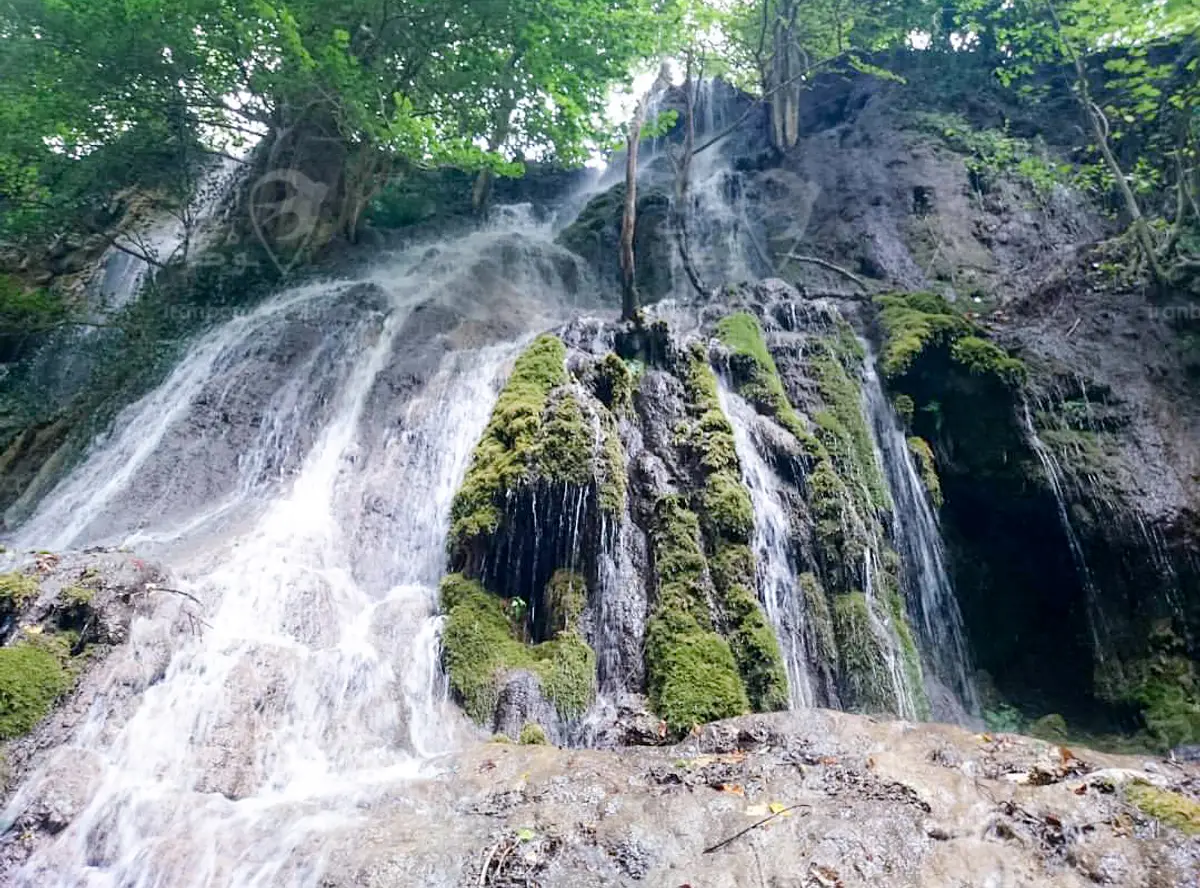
{"points": [[754, 826], [830, 266]]}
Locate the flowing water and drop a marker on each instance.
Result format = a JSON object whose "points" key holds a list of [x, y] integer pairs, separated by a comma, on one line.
{"points": [[774, 554], [295, 475], [1056, 479], [918, 539]]}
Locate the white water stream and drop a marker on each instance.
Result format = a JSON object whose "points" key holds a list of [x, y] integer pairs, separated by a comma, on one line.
{"points": [[295, 475]]}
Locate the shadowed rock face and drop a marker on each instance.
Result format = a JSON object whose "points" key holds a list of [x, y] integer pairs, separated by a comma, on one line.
{"points": [[866, 804]]}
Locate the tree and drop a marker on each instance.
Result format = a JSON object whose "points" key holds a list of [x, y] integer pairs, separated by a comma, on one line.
{"points": [[346, 93], [1082, 39]]}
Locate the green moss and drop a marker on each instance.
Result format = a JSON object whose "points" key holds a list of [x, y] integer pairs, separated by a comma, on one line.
{"points": [[755, 649], [502, 459], [1172, 808], [533, 735], [910, 658], [563, 449], [983, 357], [566, 597], [78, 596], [479, 649], [820, 620], [927, 468], [615, 383], [842, 428], [728, 509], [679, 563], [864, 669], [33, 674], [17, 590], [614, 485], [911, 323], [691, 672], [756, 372], [1164, 684], [905, 409]]}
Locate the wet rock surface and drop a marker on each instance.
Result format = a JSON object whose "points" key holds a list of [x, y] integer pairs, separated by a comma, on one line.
{"points": [[810, 798]]}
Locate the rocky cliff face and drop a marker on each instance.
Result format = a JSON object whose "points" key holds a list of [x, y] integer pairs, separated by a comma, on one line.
{"points": [[919, 449]]}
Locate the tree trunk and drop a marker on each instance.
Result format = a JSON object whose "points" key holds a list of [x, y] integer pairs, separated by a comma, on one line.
{"points": [[683, 193], [1098, 124], [629, 295]]}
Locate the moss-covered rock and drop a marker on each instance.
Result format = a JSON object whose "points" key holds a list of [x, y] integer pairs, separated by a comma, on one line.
{"points": [[566, 597], [841, 427], [480, 647], [1170, 808], [17, 590], [755, 649], [911, 323], [691, 673], [756, 373], [533, 735], [1051, 728], [915, 322], [983, 357], [927, 468], [33, 674], [503, 457], [865, 678]]}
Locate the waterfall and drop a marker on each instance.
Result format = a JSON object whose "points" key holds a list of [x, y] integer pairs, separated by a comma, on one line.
{"points": [[929, 592], [778, 586], [1055, 478], [295, 475], [160, 238]]}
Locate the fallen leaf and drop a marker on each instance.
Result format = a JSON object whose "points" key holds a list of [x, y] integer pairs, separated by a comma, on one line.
{"points": [[1081, 789], [777, 807], [829, 760], [870, 763], [825, 876], [486, 766], [525, 834], [732, 789]]}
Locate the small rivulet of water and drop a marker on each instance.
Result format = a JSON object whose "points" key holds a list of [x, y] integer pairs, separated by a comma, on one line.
{"points": [[295, 475], [778, 585], [918, 539], [1057, 481]]}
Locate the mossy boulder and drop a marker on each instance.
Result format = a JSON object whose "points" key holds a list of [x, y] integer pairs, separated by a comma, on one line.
{"points": [[34, 673], [915, 322], [17, 589], [1170, 808], [532, 734], [481, 645], [549, 467]]}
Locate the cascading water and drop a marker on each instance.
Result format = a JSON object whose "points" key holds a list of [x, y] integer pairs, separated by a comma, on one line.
{"points": [[777, 573], [160, 239], [297, 470], [1054, 476], [918, 538]]}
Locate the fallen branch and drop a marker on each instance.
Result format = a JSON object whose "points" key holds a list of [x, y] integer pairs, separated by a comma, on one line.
{"points": [[830, 266], [151, 587], [752, 827]]}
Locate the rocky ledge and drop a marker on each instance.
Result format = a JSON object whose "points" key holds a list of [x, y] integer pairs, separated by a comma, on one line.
{"points": [[807, 799]]}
